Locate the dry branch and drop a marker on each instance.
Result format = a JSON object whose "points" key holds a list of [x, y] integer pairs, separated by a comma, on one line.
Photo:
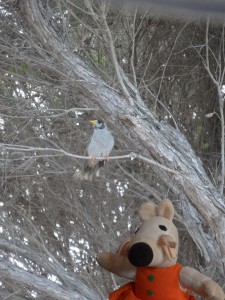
{"points": [[39, 283], [200, 200]]}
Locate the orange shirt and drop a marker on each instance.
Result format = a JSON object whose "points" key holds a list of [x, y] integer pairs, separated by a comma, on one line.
{"points": [[153, 284]]}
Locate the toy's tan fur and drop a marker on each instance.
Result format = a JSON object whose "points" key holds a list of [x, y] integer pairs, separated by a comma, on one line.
{"points": [[165, 249]]}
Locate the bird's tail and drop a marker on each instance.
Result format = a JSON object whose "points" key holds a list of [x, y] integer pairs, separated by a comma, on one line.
{"points": [[90, 170], [101, 163], [83, 175]]}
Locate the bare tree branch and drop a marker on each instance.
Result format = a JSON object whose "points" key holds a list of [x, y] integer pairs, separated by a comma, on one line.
{"points": [[56, 73], [218, 82], [41, 284], [152, 139]]}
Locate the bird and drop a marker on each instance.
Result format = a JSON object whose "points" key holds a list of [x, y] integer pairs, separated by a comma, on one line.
{"points": [[101, 145]]}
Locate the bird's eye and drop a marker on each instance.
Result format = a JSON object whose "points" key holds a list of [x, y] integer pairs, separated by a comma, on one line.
{"points": [[163, 227], [101, 124]]}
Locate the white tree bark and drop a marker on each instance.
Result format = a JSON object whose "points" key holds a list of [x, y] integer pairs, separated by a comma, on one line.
{"points": [[203, 206], [71, 286], [40, 284]]}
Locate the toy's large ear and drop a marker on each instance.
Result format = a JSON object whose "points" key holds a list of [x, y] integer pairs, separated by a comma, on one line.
{"points": [[146, 211], [166, 209]]}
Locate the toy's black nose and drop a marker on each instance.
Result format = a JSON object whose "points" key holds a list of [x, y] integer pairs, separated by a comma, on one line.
{"points": [[140, 254]]}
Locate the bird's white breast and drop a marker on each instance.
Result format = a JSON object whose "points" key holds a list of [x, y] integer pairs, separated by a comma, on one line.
{"points": [[101, 143]]}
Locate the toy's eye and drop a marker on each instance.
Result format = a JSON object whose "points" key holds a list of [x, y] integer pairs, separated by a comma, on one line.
{"points": [[136, 231], [163, 227]]}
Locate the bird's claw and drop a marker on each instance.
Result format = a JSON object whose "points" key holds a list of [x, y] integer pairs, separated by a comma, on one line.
{"points": [[93, 157], [106, 158]]}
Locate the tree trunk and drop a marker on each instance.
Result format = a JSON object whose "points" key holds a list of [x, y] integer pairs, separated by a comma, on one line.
{"points": [[47, 287], [71, 286], [202, 205]]}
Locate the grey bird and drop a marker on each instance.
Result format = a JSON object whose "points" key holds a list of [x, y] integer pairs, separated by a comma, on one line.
{"points": [[101, 144]]}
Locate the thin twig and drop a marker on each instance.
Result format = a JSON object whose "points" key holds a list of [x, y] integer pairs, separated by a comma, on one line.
{"points": [[62, 112], [11, 295], [115, 61], [218, 83], [142, 184], [133, 49], [61, 152], [160, 102], [167, 61]]}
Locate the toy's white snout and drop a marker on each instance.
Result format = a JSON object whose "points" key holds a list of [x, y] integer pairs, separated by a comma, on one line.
{"points": [[155, 243]]}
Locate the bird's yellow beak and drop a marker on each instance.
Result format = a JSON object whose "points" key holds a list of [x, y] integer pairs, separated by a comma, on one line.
{"points": [[93, 122]]}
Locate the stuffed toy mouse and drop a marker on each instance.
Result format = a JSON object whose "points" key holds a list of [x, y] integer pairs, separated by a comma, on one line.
{"points": [[149, 258]]}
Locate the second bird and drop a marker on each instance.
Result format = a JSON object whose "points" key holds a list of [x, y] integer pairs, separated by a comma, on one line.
{"points": [[101, 144]]}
